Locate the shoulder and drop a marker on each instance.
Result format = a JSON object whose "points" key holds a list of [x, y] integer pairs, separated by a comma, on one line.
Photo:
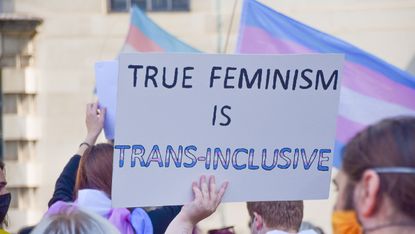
{"points": [[141, 221], [57, 207]]}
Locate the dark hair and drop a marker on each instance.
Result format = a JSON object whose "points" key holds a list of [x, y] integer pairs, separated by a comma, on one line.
{"points": [[389, 143], [286, 215], [95, 169]]}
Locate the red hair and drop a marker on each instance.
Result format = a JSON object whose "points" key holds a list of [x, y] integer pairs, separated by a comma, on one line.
{"points": [[95, 169]]}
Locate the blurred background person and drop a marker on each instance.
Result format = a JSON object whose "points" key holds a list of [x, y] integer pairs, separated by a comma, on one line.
{"points": [[72, 220], [86, 182], [276, 217], [376, 188], [376, 184], [65, 184]]}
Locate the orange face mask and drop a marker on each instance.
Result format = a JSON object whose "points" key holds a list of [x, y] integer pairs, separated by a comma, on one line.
{"points": [[345, 222]]}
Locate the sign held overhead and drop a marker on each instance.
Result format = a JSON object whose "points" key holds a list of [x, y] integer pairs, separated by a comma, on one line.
{"points": [[265, 123]]}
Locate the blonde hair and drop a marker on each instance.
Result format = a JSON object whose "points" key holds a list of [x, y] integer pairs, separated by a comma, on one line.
{"points": [[72, 220]]}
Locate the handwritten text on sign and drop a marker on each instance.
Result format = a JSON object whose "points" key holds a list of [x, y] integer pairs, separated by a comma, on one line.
{"points": [[264, 123]]}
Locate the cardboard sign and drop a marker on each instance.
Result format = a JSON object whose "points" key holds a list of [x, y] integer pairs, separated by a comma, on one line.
{"points": [[265, 123], [106, 76]]}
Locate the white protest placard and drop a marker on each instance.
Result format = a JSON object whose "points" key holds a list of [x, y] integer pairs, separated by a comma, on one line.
{"points": [[106, 77], [265, 123]]}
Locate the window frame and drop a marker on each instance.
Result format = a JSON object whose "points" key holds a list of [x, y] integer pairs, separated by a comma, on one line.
{"points": [[149, 7]]}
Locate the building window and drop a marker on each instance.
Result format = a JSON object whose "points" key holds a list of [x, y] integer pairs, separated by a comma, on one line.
{"points": [[150, 5]]}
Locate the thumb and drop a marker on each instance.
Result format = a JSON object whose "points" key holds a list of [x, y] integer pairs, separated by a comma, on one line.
{"points": [[102, 114]]}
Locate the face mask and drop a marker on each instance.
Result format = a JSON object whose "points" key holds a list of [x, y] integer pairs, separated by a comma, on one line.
{"points": [[4, 205], [345, 222]]}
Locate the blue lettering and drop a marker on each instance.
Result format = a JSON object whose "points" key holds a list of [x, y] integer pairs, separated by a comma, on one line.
{"points": [[190, 155], [264, 160], [296, 158], [308, 162], [155, 156], [208, 158], [218, 156], [322, 159], [122, 149], [235, 160], [285, 158], [251, 165], [137, 153], [177, 158]]}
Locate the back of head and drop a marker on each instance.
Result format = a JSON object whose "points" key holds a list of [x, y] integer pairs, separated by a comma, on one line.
{"points": [[95, 169], [390, 143], [281, 215], [74, 221]]}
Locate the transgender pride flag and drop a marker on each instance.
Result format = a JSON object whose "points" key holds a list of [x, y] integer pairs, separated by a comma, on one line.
{"points": [[371, 88], [146, 36], [143, 36]]}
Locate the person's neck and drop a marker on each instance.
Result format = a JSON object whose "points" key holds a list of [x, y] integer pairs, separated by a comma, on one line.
{"points": [[388, 222], [389, 229], [282, 229]]}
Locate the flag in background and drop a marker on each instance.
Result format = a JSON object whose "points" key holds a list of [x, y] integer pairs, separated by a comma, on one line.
{"points": [[371, 88], [143, 36], [146, 36]]}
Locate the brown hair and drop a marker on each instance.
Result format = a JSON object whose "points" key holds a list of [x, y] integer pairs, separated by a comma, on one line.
{"points": [[95, 169], [286, 215], [389, 143]]}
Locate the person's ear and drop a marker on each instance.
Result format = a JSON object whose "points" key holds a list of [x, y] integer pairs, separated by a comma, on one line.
{"points": [[366, 193], [258, 221]]}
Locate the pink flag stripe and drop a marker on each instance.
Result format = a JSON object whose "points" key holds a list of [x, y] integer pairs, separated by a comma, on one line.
{"points": [[374, 84], [346, 129], [141, 42], [356, 76], [256, 40]]}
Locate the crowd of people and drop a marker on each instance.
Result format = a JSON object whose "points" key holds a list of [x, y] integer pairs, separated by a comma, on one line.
{"points": [[376, 192]]}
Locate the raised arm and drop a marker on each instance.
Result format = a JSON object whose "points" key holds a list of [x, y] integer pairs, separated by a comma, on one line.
{"points": [[94, 121], [162, 217], [65, 183], [206, 199]]}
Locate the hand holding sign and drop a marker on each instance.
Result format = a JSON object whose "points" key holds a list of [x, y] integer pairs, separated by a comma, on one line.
{"points": [[206, 199], [94, 122]]}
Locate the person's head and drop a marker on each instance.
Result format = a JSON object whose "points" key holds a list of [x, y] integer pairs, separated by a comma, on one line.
{"points": [[376, 183], [5, 196], [72, 220], [95, 169], [275, 215]]}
